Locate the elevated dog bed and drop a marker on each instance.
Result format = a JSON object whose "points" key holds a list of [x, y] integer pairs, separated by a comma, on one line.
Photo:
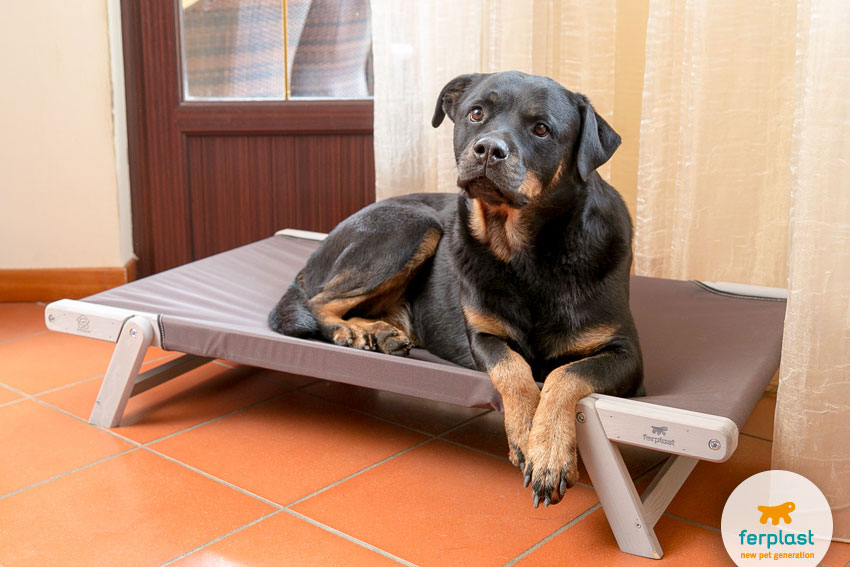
{"points": [[709, 351]]}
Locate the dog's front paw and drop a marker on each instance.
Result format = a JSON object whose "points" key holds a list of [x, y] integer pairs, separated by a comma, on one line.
{"points": [[552, 464], [519, 414], [517, 447]]}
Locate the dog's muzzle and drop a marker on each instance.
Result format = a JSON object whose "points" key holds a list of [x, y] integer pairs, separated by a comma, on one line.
{"points": [[482, 187]]}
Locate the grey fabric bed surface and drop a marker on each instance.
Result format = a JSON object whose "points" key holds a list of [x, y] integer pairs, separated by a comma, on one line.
{"points": [[702, 351]]}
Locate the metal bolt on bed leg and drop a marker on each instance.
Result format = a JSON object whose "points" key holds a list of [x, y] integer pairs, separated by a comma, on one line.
{"points": [[51, 317], [133, 333], [714, 444], [580, 417]]}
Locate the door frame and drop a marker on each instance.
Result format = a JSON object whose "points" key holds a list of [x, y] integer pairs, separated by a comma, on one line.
{"points": [[158, 121]]}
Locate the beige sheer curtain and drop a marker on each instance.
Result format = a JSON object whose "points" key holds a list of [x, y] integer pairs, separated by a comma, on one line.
{"points": [[715, 141], [419, 46], [735, 118], [813, 404], [744, 175]]}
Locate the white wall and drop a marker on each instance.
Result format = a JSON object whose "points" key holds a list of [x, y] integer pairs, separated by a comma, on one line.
{"points": [[64, 197]]}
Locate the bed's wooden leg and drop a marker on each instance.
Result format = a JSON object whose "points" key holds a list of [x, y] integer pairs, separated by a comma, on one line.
{"points": [[667, 482], [632, 527], [135, 338]]}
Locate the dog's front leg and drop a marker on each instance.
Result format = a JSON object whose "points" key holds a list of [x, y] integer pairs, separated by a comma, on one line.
{"points": [[511, 376], [552, 459]]}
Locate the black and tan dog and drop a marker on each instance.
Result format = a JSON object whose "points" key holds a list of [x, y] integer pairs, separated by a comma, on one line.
{"points": [[524, 275]]}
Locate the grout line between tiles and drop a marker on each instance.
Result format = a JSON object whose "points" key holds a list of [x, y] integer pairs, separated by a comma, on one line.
{"points": [[9, 403], [756, 437], [68, 472], [367, 414], [358, 473], [21, 337], [693, 523], [217, 418], [34, 399], [554, 534], [350, 538], [78, 382], [461, 424], [144, 446], [278, 507], [214, 478], [474, 449], [219, 538]]}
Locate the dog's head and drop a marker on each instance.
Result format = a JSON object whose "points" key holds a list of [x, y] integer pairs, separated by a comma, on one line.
{"points": [[519, 136]]}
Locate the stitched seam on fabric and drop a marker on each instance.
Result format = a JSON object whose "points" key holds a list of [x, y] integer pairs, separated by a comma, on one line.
{"points": [[161, 332]]}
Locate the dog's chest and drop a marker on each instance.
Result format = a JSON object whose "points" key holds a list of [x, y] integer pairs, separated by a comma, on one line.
{"points": [[537, 309]]}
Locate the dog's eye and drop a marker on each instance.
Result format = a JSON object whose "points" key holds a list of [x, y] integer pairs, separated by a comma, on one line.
{"points": [[476, 114], [540, 130]]}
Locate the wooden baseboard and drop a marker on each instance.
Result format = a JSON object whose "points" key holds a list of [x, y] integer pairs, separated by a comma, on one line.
{"points": [[50, 284]]}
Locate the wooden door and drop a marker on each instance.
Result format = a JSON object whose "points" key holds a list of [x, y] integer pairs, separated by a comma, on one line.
{"points": [[207, 176]]}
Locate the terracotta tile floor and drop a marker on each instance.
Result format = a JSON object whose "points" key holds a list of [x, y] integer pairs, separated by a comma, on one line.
{"points": [[230, 465]]}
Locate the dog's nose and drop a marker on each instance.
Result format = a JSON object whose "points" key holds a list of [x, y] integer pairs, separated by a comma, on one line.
{"points": [[490, 150]]}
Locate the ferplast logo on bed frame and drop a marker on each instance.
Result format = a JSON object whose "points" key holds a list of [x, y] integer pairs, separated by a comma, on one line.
{"points": [[776, 516], [658, 436]]}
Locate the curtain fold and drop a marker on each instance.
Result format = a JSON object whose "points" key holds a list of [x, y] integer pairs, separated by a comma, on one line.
{"points": [[813, 401], [715, 141]]}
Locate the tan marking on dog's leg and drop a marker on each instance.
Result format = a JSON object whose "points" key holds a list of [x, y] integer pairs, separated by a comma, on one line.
{"points": [[425, 250], [330, 307], [585, 343], [329, 316], [513, 379], [552, 460], [486, 324]]}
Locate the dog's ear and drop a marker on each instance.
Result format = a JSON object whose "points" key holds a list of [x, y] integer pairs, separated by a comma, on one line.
{"points": [[597, 143], [449, 96]]}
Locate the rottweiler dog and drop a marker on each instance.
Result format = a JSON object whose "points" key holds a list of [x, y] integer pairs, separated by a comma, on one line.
{"points": [[524, 275]]}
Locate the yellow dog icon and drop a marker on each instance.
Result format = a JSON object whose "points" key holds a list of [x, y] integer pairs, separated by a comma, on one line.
{"points": [[782, 511]]}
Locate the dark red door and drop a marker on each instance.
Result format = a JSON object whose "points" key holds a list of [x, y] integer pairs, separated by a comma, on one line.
{"points": [[209, 175]]}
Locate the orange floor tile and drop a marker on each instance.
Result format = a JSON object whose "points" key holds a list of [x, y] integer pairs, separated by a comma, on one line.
{"points": [[231, 465]]}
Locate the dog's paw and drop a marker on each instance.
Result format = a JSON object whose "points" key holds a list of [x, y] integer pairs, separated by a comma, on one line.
{"points": [[391, 340], [552, 464], [519, 414], [372, 335], [343, 335], [517, 447]]}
